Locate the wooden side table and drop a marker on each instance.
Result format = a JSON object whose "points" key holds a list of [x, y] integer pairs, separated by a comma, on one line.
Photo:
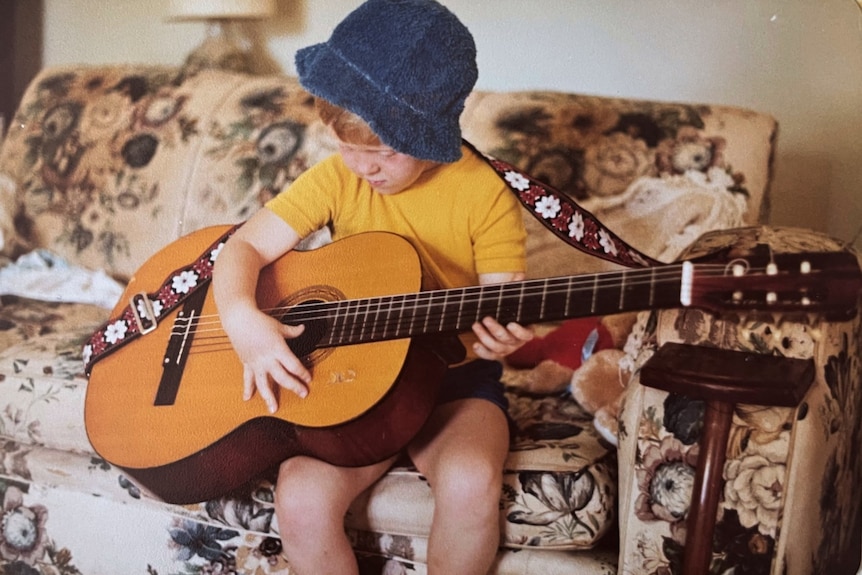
{"points": [[722, 379]]}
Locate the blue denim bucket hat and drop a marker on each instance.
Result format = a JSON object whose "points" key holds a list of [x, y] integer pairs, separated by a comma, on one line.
{"points": [[405, 67]]}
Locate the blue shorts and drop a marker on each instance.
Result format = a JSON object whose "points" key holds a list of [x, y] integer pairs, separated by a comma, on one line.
{"points": [[477, 379]]}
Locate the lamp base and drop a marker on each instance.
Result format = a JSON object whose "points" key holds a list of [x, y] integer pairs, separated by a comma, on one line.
{"points": [[222, 49]]}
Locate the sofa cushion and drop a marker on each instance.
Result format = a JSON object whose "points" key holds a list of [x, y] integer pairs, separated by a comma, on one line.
{"points": [[83, 151], [41, 371], [54, 491]]}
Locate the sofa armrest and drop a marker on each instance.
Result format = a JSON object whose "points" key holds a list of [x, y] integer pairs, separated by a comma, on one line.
{"points": [[721, 378]]}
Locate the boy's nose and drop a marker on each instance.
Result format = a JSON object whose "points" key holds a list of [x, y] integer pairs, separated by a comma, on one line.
{"points": [[369, 167]]}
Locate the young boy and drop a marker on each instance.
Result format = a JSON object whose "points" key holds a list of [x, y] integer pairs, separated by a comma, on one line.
{"points": [[391, 84]]}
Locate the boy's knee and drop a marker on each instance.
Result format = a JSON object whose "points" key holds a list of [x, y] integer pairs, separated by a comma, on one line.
{"points": [[471, 483], [295, 496], [302, 517]]}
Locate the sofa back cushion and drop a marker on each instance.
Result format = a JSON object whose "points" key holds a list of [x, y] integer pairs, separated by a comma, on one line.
{"points": [[107, 164], [658, 174]]}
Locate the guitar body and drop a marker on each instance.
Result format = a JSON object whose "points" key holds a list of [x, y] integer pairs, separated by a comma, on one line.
{"points": [[365, 402]]}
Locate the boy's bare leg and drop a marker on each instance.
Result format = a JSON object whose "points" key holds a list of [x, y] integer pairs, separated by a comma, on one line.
{"points": [[311, 499], [461, 451]]}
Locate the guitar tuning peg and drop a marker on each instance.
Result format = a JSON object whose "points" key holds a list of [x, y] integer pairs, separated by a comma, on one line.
{"points": [[737, 269]]}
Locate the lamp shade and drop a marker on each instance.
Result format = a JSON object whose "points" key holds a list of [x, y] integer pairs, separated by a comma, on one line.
{"points": [[220, 9]]}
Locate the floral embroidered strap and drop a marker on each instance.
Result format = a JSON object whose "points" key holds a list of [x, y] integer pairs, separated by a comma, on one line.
{"points": [[143, 311], [569, 221]]}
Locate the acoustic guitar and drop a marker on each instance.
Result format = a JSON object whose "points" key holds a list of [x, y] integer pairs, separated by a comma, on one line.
{"points": [[167, 407]]}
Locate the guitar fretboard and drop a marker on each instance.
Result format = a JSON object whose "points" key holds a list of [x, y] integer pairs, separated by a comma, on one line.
{"points": [[526, 302]]}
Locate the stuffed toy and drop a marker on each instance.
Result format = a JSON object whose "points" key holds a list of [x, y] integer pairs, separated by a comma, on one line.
{"points": [[582, 355], [599, 386]]}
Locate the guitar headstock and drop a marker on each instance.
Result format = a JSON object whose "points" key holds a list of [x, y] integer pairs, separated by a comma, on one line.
{"points": [[824, 283]]}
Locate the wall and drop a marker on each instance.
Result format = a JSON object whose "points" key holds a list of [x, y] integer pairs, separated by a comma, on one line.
{"points": [[799, 60]]}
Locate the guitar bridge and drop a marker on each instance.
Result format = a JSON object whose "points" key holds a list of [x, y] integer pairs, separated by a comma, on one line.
{"points": [[145, 315]]}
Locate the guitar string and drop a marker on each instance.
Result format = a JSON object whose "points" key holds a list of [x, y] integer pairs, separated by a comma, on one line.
{"points": [[310, 311], [472, 294], [401, 304]]}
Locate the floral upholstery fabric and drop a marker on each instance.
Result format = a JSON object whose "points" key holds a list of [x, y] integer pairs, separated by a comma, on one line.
{"points": [[103, 165], [110, 164], [657, 174]]}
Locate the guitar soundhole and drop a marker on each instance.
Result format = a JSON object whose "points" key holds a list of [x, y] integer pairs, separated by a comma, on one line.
{"points": [[307, 347]]}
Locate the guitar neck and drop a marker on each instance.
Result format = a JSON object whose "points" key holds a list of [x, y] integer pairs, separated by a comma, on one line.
{"points": [[525, 302]]}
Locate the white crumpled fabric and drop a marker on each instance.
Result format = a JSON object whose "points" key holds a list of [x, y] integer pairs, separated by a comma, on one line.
{"points": [[46, 276]]}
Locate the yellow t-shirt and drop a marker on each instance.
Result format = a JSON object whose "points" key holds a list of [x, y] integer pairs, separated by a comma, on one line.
{"points": [[460, 217]]}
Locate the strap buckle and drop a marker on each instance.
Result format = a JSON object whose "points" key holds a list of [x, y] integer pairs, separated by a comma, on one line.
{"points": [[143, 312]]}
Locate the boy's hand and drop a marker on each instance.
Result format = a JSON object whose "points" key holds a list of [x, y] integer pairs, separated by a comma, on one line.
{"points": [[257, 338], [267, 360], [496, 341]]}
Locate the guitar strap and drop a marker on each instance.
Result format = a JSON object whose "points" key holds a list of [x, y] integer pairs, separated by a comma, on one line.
{"points": [[555, 210], [565, 218]]}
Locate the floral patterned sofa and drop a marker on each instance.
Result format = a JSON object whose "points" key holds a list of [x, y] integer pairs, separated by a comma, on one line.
{"points": [[102, 166]]}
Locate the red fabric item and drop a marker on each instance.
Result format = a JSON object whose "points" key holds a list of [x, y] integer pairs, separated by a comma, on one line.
{"points": [[564, 345]]}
